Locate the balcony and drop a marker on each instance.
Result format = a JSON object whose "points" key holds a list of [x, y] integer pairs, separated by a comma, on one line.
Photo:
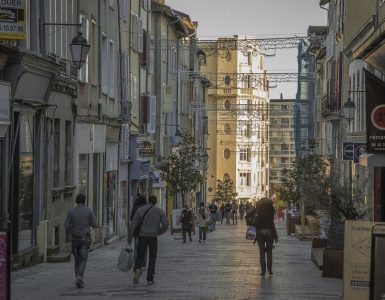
{"points": [[331, 106]]}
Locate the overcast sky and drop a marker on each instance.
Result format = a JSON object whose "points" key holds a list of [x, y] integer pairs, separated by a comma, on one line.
{"points": [[261, 18]]}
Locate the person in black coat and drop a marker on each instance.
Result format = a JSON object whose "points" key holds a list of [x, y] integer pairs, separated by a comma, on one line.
{"points": [[262, 218], [186, 219], [139, 202]]}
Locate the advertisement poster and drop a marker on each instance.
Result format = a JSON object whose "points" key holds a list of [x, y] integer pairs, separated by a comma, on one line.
{"points": [[176, 224], [357, 253], [12, 20], [3, 266]]}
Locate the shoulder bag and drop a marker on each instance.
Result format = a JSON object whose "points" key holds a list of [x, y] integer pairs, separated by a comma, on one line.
{"points": [[139, 225]]}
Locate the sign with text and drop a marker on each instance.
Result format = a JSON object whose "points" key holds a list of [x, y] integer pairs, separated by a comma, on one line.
{"points": [[357, 259], [12, 20], [146, 149], [377, 274], [375, 113]]}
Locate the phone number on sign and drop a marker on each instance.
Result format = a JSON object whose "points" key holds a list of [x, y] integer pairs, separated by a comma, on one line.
{"points": [[11, 28]]}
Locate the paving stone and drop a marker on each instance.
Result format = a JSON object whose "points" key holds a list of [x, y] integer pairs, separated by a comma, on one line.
{"points": [[226, 267]]}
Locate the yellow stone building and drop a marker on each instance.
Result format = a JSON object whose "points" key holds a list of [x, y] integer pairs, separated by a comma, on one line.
{"points": [[238, 121]]}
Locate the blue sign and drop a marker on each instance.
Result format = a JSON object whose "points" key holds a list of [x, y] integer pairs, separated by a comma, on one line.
{"points": [[348, 151], [359, 148]]}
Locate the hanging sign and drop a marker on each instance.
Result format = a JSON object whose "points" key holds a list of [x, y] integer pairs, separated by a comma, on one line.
{"points": [[375, 113], [12, 19]]}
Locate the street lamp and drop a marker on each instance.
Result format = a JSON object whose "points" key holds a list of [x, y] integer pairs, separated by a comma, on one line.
{"points": [[79, 48], [348, 110]]}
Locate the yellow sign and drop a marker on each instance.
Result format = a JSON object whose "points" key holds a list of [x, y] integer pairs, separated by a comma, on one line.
{"points": [[357, 253], [12, 19]]}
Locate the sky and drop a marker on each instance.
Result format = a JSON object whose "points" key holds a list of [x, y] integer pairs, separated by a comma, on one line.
{"points": [[260, 18]]}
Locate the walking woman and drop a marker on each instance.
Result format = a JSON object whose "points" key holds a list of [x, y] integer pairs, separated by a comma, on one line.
{"points": [[263, 220], [202, 222]]}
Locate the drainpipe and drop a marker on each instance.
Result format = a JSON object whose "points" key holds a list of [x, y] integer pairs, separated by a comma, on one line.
{"points": [[99, 61]]}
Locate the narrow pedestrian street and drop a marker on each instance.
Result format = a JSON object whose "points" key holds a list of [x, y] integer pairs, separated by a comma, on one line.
{"points": [[226, 267]]}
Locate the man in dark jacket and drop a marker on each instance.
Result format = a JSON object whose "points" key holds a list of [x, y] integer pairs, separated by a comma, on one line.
{"points": [[262, 218], [186, 219], [78, 222], [153, 222]]}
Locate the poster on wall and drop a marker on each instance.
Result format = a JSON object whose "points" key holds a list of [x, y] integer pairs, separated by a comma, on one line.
{"points": [[357, 259], [12, 20], [375, 113], [176, 225]]}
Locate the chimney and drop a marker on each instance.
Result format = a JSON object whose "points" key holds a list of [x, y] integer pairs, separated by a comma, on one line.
{"points": [[281, 96]]}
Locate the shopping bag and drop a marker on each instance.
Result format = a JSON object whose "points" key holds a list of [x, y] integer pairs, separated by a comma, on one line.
{"points": [[250, 233], [210, 227], [125, 260]]}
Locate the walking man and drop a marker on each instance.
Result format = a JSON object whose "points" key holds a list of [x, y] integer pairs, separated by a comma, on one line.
{"points": [[213, 208], [186, 219], [149, 221], [78, 222], [228, 211], [241, 210], [234, 210]]}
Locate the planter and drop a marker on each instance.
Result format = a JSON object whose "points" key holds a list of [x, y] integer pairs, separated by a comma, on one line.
{"points": [[292, 220], [332, 263]]}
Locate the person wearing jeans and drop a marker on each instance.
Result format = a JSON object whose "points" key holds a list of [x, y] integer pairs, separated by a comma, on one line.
{"points": [[78, 222], [202, 222], [151, 222], [262, 218], [139, 202]]}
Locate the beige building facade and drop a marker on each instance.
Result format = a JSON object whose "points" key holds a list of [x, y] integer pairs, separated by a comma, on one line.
{"points": [[237, 123]]}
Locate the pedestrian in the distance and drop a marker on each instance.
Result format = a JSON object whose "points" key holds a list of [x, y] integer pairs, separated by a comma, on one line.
{"points": [[222, 210], [234, 211], [241, 210], [213, 208], [78, 222], [263, 220], [149, 221], [139, 202], [186, 219], [228, 211], [202, 222]]}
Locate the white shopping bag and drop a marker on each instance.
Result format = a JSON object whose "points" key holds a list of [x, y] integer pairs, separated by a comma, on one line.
{"points": [[125, 260]]}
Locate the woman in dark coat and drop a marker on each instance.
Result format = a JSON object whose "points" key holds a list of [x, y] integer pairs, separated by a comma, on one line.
{"points": [[262, 218], [186, 219]]}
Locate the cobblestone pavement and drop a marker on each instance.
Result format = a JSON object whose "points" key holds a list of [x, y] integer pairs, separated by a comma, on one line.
{"points": [[226, 267]]}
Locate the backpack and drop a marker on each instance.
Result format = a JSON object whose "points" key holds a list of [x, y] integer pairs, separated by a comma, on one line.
{"points": [[202, 213]]}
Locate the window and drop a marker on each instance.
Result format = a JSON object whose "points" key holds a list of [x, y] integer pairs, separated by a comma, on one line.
{"points": [[123, 10], [83, 174], [226, 176], [243, 154], [249, 58], [59, 30], [227, 104], [68, 154], [227, 79], [111, 69], [56, 153], [83, 72], [244, 179], [226, 153], [227, 128], [136, 32], [104, 59], [94, 52]]}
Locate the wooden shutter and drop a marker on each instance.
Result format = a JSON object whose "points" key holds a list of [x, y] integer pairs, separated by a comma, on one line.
{"points": [[144, 109]]}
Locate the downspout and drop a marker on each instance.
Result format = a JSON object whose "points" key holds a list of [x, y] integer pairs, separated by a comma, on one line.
{"points": [[99, 62]]}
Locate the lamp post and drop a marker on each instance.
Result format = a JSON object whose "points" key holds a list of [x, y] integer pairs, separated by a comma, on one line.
{"points": [[79, 46]]}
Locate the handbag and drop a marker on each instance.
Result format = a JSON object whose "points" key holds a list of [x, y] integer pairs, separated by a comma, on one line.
{"points": [[139, 225], [125, 260]]}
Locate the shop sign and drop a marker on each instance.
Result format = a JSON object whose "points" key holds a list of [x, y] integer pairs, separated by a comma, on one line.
{"points": [[12, 19], [146, 149], [357, 259], [348, 151], [375, 113]]}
